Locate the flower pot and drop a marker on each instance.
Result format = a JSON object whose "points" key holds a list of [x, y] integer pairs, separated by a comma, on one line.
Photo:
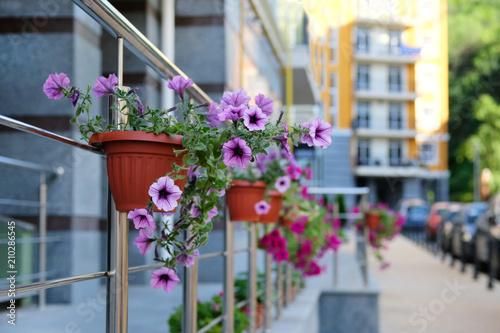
{"points": [[372, 220], [274, 213], [260, 313], [241, 198], [135, 160], [285, 222]]}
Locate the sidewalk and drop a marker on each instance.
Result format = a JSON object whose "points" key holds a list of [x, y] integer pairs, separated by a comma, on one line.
{"points": [[420, 293]]}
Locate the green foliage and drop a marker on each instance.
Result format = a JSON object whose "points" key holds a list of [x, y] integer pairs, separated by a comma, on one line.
{"points": [[474, 60], [206, 313], [241, 287]]}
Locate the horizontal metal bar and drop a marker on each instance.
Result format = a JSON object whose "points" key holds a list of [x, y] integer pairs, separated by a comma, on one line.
{"points": [[23, 203], [241, 304], [31, 166], [19, 125], [338, 190], [142, 268], [117, 25], [19, 223], [56, 282], [211, 324], [33, 240], [212, 255], [244, 250]]}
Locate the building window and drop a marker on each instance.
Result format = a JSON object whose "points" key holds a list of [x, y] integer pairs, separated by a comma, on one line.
{"points": [[363, 152], [428, 153], [363, 114], [395, 79], [394, 42], [362, 40], [395, 152], [395, 115], [363, 77]]}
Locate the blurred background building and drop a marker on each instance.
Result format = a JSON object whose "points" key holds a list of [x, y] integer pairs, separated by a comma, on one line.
{"points": [[382, 72]]}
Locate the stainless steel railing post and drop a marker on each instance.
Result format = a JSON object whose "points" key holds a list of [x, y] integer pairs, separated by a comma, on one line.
{"points": [[279, 290], [228, 305], [364, 207], [189, 293], [252, 276], [269, 294], [43, 238], [288, 284]]}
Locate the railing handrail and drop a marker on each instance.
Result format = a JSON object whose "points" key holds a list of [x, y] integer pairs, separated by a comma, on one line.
{"points": [[117, 25], [30, 165]]}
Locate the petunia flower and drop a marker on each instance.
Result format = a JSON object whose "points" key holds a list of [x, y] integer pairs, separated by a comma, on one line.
{"points": [[255, 119], [140, 107], [165, 193], [142, 219], [262, 207], [215, 306], [281, 255], [144, 240], [233, 112], [294, 171], [105, 86], [179, 84], [265, 241], [261, 162], [187, 260], [237, 153], [265, 104], [236, 98], [54, 85], [211, 213], [164, 278], [334, 242], [213, 115], [308, 173], [74, 97], [319, 134], [282, 184], [284, 142], [297, 227]]}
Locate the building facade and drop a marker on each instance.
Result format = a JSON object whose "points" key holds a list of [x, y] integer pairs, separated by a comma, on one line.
{"points": [[382, 71]]}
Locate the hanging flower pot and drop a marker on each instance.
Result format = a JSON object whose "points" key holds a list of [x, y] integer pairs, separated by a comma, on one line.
{"points": [[274, 213], [241, 198], [135, 160], [372, 220]]}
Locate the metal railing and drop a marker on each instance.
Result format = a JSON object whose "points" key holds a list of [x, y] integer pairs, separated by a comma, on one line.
{"points": [[117, 248]]}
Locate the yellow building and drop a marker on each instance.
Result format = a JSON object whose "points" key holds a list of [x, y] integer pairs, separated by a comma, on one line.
{"points": [[382, 70]]}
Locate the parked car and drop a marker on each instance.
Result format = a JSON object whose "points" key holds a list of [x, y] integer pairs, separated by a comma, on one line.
{"points": [[464, 230], [415, 211], [438, 212], [446, 226], [487, 238]]}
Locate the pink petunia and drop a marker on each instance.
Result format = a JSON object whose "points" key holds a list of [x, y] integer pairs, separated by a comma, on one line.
{"points": [[164, 278]]}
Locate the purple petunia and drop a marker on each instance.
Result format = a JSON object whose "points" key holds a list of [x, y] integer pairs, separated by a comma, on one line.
{"points": [[165, 193], [164, 278], [281, 255], [236, 98], [211, 213], [261, 162], [282, 184], [255, 119], [265, 104], [144, 241], [142, 219], [179, 84], [319, 133], [140, 107], [334, 242], [213, 115], [74, 97], [187, 260], [237, 153], [262, 207], [54, 85], [233, 113], [105, 86]]}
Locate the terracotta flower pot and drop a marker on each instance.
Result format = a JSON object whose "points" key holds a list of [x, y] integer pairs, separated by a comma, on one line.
{"points": [[274, 213], [372, 220], [135, 160], [260, 313], [241, 198], [285, 222]]}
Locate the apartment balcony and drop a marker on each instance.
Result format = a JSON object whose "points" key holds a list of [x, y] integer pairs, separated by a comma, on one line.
{"points": [[398, 168], [383, 54], [375, 18], [379, 90], [384, 132]]}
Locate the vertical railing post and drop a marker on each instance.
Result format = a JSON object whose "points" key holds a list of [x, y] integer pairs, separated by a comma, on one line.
{"points": [[279, 290], [228, 306], [335, 214], [252, 276], [288, 284], [117, 319], [364, 262], [189, 292], [269, 293], [43, 238]]}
